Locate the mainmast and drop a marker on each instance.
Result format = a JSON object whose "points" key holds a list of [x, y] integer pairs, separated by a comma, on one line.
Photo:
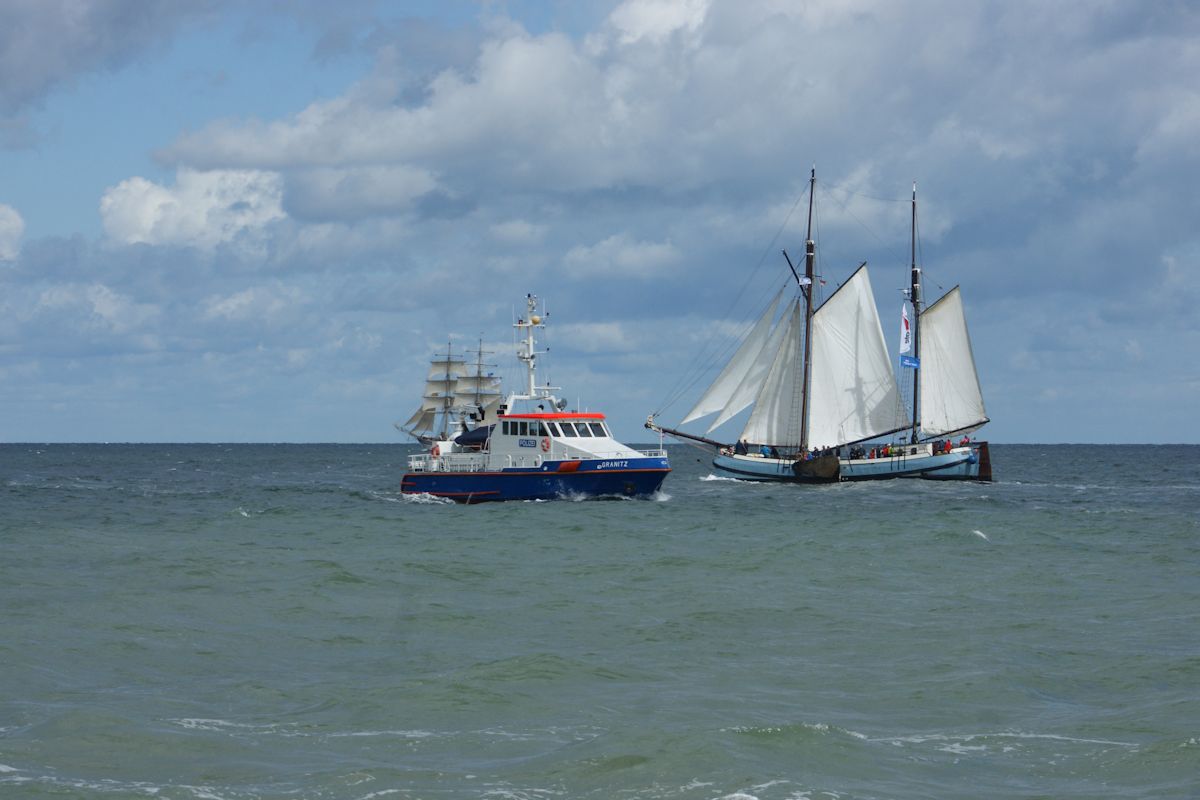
{"points": [[806, 286], [448, 391], [915, 298]]}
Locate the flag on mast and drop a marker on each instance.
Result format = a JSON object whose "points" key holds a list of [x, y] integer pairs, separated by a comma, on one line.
{"points": [[905, 330]]}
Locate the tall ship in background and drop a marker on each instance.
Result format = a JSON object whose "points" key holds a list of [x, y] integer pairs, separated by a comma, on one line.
{"points": [[821, 387], [525, 446], [458, 395]]}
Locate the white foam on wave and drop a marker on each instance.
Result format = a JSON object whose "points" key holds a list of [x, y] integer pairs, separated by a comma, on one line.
{"points": [[7, 768], [981, 535], [961, 743], [712, 477], [425, 498], [400, 734]]}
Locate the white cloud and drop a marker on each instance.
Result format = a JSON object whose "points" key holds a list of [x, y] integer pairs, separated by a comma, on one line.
{"points": [[255, 304], [353, 193], [655, 20], [95, 308], [518, 232], [202, 209], [12, 227], [621, 255]]}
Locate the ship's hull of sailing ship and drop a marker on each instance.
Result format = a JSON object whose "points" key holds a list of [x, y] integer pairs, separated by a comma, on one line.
{"points": [[967, 463], [551, 480]]}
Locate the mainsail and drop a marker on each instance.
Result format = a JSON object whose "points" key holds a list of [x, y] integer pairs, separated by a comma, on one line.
{"points": [[854, 394], [951, 399]]}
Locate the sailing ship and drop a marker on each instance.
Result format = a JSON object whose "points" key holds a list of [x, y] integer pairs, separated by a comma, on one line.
{"points": [[821, 386], [457, 395], [525, 446]]}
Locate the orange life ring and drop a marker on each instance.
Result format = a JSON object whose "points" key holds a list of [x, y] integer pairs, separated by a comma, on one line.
{"points": [[545, 444], [436, 451]]}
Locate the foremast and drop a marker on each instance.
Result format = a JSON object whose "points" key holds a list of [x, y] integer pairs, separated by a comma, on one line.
{"points": [[810, 257], [914, 296], [806, 288]]}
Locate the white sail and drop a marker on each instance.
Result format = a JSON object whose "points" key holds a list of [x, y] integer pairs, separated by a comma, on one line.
{"points": [[722, 389], [776, 415], [444, 367], [950, 398], [751, 384], [468, 386], [421, 420], [853, 387], [438, 391]]}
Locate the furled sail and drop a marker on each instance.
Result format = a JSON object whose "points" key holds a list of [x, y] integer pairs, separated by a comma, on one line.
{"points": [[853, 389], [723, 388], [951, 399], [776, 415], [751, 386]]}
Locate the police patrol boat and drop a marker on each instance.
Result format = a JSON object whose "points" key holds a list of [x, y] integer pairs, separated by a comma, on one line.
{"points": [[531, 448]]}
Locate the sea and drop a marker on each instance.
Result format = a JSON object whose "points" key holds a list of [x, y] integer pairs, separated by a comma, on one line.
{"points": [[226, 622]]}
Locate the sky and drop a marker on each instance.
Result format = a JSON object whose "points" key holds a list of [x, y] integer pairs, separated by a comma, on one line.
{"points": [[256, 222]]}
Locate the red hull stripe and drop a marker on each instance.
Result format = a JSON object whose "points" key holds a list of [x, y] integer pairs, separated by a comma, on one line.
{"points": [[563, 415]]}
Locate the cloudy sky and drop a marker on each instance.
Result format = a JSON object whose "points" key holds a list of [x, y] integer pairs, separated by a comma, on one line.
{"points": [[229, 221]]}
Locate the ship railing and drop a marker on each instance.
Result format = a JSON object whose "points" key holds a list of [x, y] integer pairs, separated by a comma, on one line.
{"points": [[448, 462]]}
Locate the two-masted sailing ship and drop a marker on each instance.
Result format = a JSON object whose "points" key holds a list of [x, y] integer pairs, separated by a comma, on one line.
{"points": [[522, 446], [821, 386]]}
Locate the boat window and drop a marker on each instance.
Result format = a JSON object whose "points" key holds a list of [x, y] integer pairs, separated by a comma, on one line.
{"points": [[597, 428], [522, 428], [504, 427], [568, 428], [542, 430], [583, 429], [553, 426]]}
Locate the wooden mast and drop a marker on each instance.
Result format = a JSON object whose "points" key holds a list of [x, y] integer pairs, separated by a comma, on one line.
{"points": [[915, 299], [806, 286]]}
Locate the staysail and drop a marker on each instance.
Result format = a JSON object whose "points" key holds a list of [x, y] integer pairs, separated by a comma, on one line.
{"points": [[951, 399], [854, 395], [726, 384], [776, 415]]}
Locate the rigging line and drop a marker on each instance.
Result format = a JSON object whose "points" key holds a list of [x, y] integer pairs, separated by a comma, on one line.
{"points": [[702, 356], [845, 206], [921, 261], [843, 188]]}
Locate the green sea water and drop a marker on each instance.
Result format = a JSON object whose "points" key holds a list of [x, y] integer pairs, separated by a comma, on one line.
{"points": [[257, 621]]}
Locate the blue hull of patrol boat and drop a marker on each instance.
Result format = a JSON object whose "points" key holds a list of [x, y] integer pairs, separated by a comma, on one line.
{"points": [[970, 463], [627, 477]]}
